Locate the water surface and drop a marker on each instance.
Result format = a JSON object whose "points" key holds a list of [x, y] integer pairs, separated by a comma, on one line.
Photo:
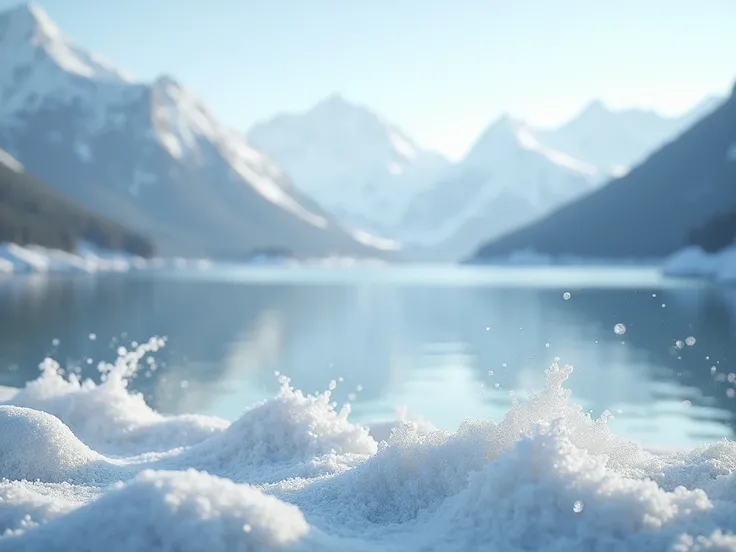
{"points": [[445, 343]]}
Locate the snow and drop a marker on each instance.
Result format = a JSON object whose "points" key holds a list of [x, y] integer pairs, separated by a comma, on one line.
{"points": [[40, 66], [90, 466], [350, 160], [506, 162], [376, 241], [17, 259], [187, 130], [694, 262], [10, 161]]}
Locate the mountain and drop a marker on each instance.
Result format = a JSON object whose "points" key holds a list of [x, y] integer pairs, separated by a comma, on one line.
{"points": [[360, 167], [506, 180], [516, 173], [149, 155], [33, 213], [650, 212], [615, 140]]}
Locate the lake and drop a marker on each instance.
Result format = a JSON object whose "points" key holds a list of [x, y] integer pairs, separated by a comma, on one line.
{"points": [[441, 343]]}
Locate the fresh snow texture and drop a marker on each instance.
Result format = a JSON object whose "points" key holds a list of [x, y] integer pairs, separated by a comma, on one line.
{"points": [[89, 467]]}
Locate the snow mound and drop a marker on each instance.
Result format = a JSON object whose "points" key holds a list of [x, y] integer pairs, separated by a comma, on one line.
{"points": [[35, 445], [293, 432], [106, 416], [294, 473], [183, 511]]}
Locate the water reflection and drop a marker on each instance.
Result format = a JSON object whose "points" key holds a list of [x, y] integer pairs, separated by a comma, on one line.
{"points": [[448, 352]]}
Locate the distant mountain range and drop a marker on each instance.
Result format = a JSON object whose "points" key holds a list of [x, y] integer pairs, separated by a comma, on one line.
{"points": [[363, 169], [337, 179], [33, 213], [651, 211], [372, 175], [150, 156]]}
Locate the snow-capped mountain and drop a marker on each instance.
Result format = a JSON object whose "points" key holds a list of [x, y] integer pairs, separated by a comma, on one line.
{"points": [[362, 168], [515, 174], [685, 184], [149, 155], [616, 140], [506, 180]]}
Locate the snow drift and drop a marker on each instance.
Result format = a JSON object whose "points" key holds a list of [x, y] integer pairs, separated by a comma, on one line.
{"points": [[88, 466]]}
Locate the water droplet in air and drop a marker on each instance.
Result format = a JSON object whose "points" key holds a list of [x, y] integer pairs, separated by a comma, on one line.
{"points": [[731, 392], [92, 336], [183, 384], [713, 369], [566, 296], [578, 506], [654, 294], [687, 404], [504, 365], [358, 388], [619, 329], [247, 528], [690, 341], [490, 372], [679, 344], [122, 351], [664, 305], [55, 342], [488, 328], [546, 345], [332, 385], [276, 373]]}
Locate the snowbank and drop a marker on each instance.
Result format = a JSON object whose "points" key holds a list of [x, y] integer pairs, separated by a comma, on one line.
{"points": [[695, 262], [80, 470], [530, 257], [16, 259]]}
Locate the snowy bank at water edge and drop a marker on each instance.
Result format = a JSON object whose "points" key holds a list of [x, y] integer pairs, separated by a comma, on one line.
{"points": [[89, 467], [529, 257], [16, 259], [695, 262]]}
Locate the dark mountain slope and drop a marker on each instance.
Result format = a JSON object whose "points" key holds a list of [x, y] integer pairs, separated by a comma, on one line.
{"points": [[33, 213], [651, 211]]}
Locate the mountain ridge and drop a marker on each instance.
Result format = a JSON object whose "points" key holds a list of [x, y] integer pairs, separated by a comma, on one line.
{"points": [[684, 184], [149, 155], [337, 141]]}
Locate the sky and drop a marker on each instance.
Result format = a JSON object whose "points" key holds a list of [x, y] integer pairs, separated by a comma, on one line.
{"points": [[441, 70]]}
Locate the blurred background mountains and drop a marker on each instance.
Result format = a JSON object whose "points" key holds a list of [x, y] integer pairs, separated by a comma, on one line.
{"points": [[89, 154]]}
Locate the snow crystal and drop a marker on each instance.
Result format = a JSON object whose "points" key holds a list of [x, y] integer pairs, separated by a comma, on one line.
{"points": [[89, 466]]}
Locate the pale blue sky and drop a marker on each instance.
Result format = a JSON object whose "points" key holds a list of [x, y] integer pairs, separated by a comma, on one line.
{"points": [[440, 69]]}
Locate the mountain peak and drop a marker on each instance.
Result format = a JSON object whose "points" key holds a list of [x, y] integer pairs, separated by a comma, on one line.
{"points": [[338, 105], [594, 109], [28, 21]]}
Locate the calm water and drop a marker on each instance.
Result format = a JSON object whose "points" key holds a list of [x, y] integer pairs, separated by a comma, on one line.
{"points": [[446, 343]]}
